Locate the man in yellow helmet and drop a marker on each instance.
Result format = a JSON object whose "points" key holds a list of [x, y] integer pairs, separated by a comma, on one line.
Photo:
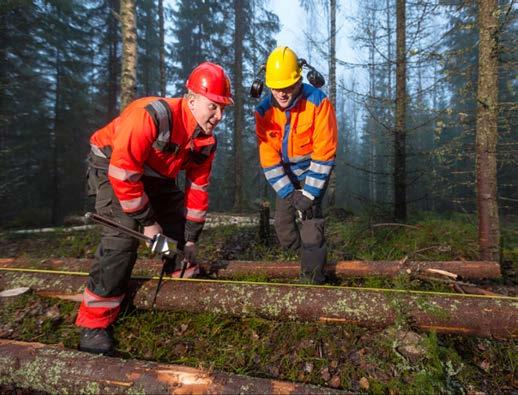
{"points": [[297, 137]]}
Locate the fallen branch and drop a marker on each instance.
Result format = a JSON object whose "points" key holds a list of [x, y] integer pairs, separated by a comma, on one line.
{"points": [[445, 313], [51, 369], [459, 286], [443, 273]]}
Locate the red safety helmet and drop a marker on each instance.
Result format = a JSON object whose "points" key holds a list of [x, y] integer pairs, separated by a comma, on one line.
{"points": [[209, 79]]}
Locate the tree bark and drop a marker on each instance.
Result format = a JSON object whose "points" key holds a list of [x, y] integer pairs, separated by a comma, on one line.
{"points": [[162, 47], [373, 130], [331, 190], [376, 308], [487, 132], [55, 143], [348, 269], [232, 269], [239, 116], [52, 369], [113, 62], [400, 209], [129, 52]]}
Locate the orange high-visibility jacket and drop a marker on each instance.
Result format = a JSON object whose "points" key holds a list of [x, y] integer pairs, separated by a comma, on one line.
{"points": [[156, 137], [300, 140]]}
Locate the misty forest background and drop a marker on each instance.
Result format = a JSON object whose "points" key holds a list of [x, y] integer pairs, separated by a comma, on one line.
{"points": [[60, 75]]}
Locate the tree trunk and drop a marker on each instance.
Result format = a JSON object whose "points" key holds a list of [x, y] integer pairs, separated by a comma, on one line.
{"points": [[386, 189], [400, 209], [487, 132], [113, 63], [372, 125], [52, 369], [129, 52], [279, 269], [239, 117], [162, 47], [146, 43], [55, 178], [376, 308], [331, 190]]}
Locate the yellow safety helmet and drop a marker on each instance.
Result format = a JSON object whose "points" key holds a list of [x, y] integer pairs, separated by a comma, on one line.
{"points": [[282, 68]]}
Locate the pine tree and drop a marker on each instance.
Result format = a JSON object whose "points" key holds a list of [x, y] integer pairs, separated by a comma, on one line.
{"points": [[129, 52]]}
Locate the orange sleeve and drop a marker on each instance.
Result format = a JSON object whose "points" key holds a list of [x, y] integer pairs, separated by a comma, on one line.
{"points": [[325, 136]]}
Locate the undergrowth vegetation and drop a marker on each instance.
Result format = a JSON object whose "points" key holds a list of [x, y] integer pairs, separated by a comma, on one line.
{"points": [[391, 360]]}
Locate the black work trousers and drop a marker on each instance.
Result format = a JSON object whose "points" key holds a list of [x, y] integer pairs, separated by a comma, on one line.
{"points": [[117, 252], [306, 235]]}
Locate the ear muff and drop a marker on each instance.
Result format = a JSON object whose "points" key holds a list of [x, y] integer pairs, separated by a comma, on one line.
{"points": [[314, 77], [256, 89], [257, 86]]}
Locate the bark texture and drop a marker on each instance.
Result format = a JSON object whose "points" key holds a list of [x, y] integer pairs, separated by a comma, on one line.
{"points": [[331, 190], [487, 132], [346, 269], [239, 115], [400, 209], [232, 269], [113, 62], [376, 308], [50, 369], [129, 52], [162, 46]]}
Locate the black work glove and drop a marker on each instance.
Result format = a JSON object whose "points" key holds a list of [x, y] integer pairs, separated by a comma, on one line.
{"points": [[303, 204], [189, 252]]}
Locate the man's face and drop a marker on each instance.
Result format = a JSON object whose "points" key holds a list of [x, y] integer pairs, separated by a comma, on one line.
{"points": [[284, 97], [206, 112]]}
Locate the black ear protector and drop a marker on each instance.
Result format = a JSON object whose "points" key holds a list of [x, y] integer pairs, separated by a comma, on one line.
{"points": [[314, 77], [257, 86]]}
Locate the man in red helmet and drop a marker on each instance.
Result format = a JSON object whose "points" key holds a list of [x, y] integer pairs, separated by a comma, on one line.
{"points": [[133, 163]]}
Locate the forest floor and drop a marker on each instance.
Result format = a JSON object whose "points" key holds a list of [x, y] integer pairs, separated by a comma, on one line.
{"points": [[395, 360]]}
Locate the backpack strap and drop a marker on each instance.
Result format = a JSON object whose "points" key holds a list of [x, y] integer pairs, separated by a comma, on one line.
{"points": [[161, 113]]}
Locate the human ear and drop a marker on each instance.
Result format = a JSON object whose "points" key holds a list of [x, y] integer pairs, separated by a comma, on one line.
{"points": [[191, 102]]}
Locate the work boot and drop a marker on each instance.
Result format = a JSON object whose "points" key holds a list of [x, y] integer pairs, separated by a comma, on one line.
{"points": [[97, 341]]}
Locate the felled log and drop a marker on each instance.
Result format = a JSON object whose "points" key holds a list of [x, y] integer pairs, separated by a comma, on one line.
{"points": [[445, 313], [342, 269], [50, 369]]}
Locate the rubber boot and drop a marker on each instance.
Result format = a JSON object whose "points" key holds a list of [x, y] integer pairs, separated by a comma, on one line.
{"points": [[97, 341]]}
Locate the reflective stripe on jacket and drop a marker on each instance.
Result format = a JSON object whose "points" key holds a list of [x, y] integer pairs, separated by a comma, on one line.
{"points": [[157, 137], [301, 139]]}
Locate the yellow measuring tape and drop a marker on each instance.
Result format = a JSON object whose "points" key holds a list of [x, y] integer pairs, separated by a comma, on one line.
{"points": [[200, 280]]}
